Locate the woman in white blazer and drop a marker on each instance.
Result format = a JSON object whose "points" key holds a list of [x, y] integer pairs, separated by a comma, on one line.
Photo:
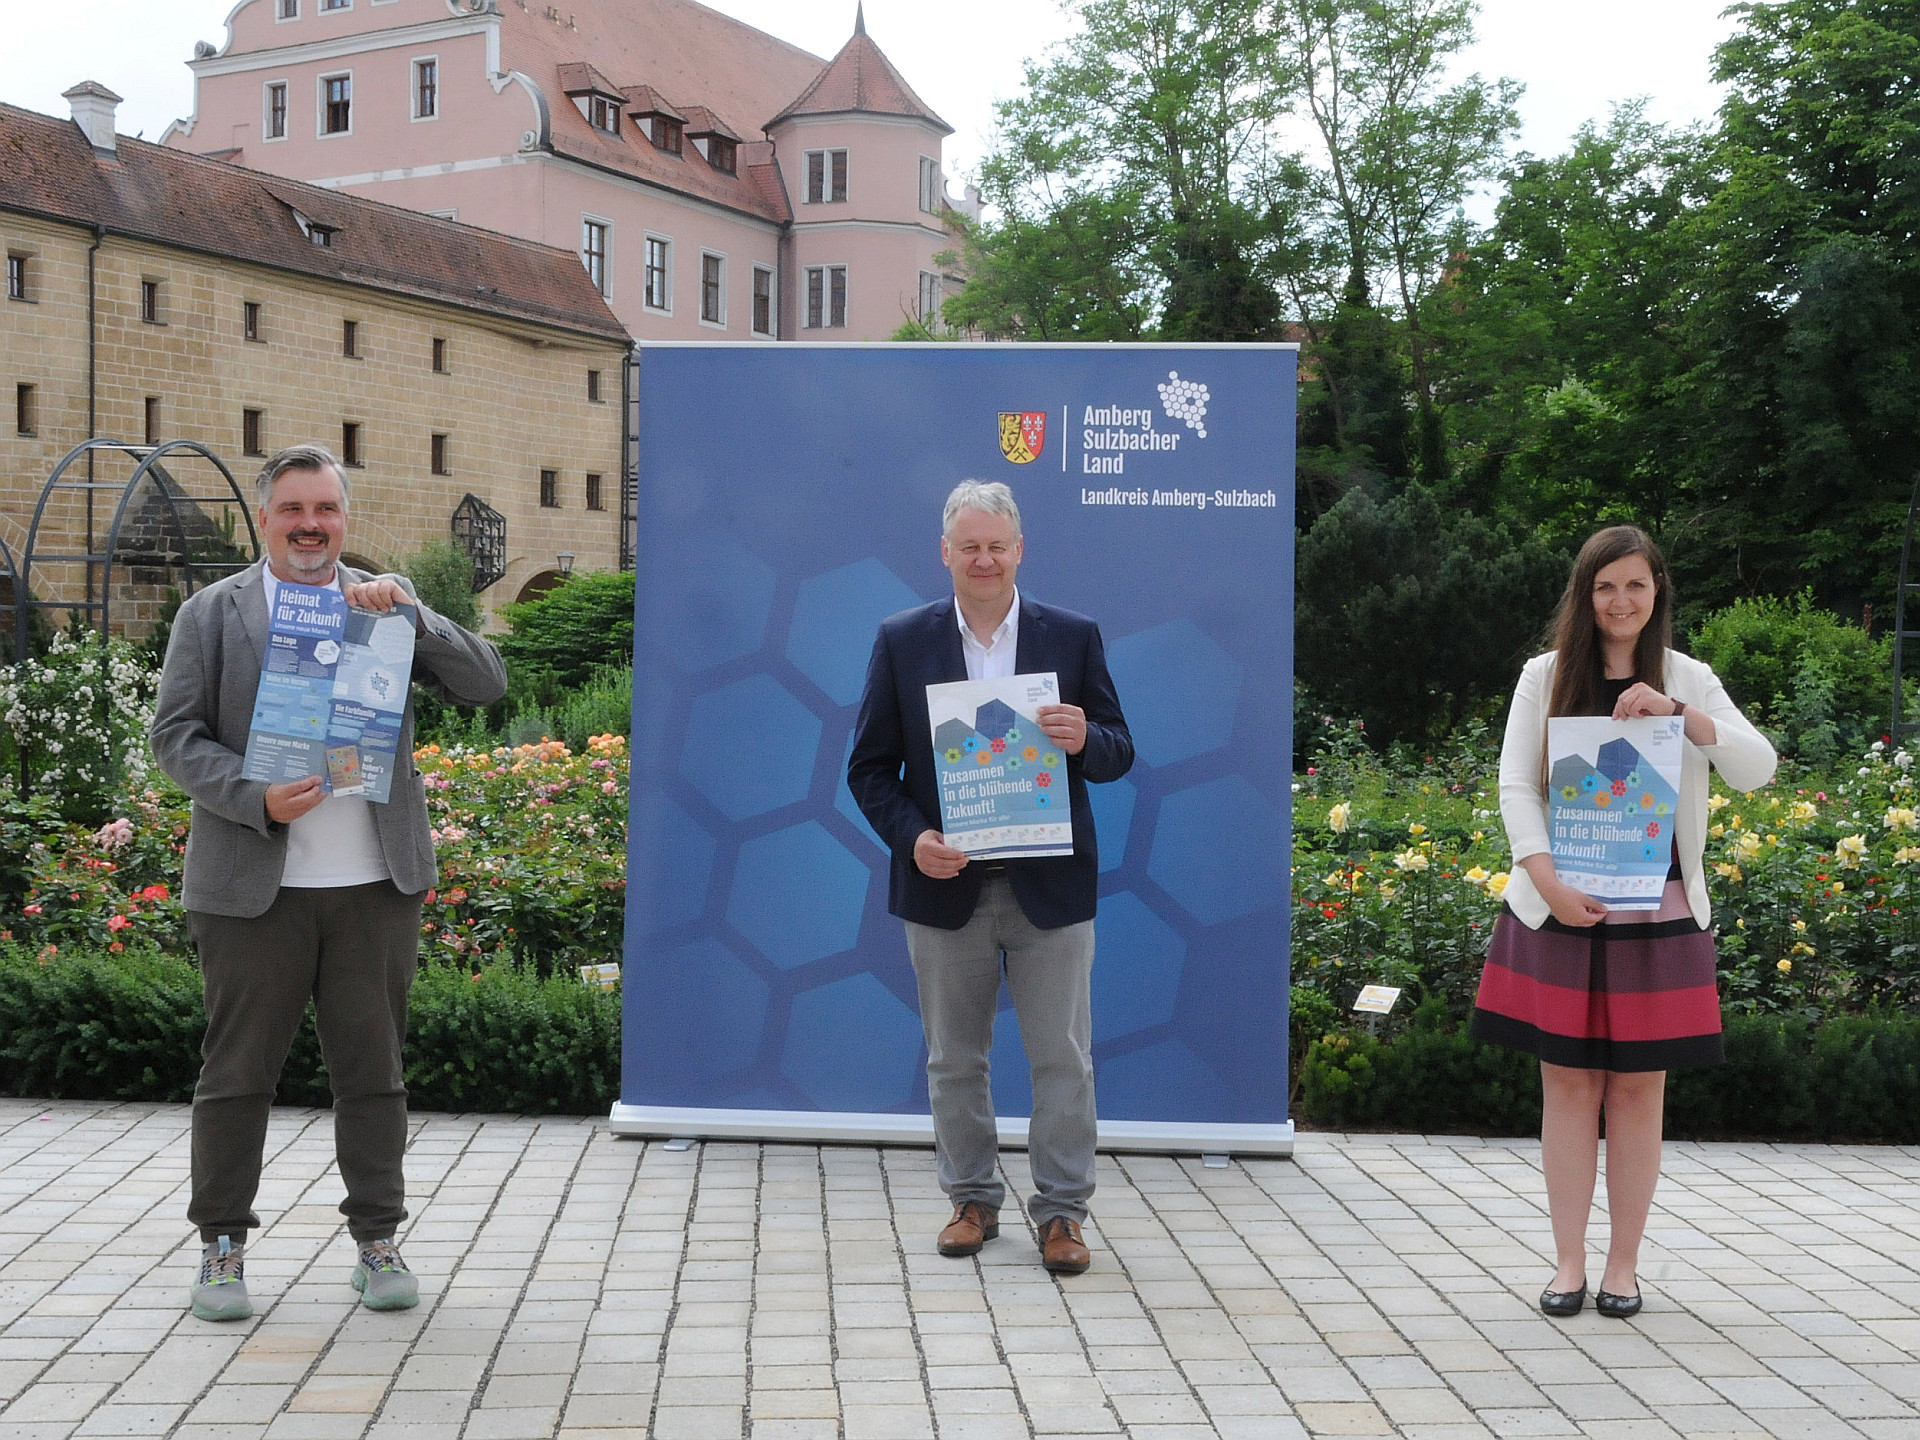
{"points": [[1609, 1001]]}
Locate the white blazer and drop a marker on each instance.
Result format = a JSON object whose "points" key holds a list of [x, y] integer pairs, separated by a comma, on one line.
{"points": [[1741, 754]]}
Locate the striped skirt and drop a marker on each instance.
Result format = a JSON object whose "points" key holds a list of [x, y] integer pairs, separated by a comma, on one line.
{"points": [[1635, 992]]}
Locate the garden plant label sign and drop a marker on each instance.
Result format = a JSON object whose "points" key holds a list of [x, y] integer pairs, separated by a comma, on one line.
{"points": [[1003, 783], [1612, 789], [333, 689]]}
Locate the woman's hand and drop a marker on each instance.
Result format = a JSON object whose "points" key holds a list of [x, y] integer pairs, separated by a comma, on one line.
{"points": [[1640, 701], [1569, 906]]}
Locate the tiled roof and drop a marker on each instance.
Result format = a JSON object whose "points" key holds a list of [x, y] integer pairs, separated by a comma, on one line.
{"points": [[702, 121], [578, 78], [169, 197], [645, 100], [860, 80]]}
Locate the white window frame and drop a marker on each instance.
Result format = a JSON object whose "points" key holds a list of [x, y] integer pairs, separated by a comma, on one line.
{"points": [[605, 283], [930, 186], [333, 7], [320, 95], [592, 102], [721, 256], [773, 302], [826, 270], [413, 88], [928, 301], [280, 19], [826, 175], [267, 137], [646, 290]]}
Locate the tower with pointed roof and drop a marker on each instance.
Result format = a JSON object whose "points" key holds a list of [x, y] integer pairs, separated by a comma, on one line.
{"points": [[717, 183]]}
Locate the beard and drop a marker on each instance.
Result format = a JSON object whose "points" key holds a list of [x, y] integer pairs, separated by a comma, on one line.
{"points": [[308, 562]]}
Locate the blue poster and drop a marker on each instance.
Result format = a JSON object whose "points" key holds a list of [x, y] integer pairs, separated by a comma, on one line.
{"points": [[997, 770], [767, 990], [1612, 789]]}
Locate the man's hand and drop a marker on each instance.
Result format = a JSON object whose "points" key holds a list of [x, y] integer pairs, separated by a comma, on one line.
{"points": [[287, 803], [937, 859], [1066, 726], [381, 593]]}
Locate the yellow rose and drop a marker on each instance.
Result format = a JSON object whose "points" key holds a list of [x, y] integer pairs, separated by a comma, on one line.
{"points": [[1416, 829], [1715, 803], [1716, 831], [1478, 836], [1906, 854], [1497, 883], [1784, 967], [1850, 851], [1732, 872], [1410, 860], [1475, 876], [1900, 818], [1337, 818], [1802, 810]]}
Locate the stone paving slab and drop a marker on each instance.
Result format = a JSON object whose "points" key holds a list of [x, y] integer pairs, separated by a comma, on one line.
{"points": [[582, 1286]]}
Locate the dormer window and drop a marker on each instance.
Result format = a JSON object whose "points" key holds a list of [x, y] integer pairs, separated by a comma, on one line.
{"points": [[723, 155], [603, 114], [667, 134]]}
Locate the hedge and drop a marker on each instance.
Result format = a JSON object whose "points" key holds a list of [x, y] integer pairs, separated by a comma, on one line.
{"points": [[128, 1027], [1853, 1077]]}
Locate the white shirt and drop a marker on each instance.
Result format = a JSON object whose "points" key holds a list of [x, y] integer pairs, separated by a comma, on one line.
{"points": [[993, 660], [335, 843]]}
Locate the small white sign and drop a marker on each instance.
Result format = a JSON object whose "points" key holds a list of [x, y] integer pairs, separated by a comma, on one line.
{"points": [[1377, 999], [601, 977]]}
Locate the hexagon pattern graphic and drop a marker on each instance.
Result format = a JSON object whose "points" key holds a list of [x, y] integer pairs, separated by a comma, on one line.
{"points": [[672, 1029], [1139, 959], [677, 884], [843, 801], [1112, 805], [750, 747], [1160, 1080], [835, 617], [1178, 688], [1220, 849], [852, 1045], [715, 599], [798, 895]]}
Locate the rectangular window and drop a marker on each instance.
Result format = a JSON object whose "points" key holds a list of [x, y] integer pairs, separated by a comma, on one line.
{"points": [[593, 252], [762, 300], [550, 489], [713, 271], [826, 296], [150, 301], [929, 298], [277, 110], [439, 356], [289, 9], [250, 433], [929, 185], [658, 294], [336, 4], [723, 155], [426, 89], [16, 277], [594, 502], [250, 319], [667, 135], [23, 408], [350, 339], [442, 465], [604, 114], [152, 426], [826, 176], [350, 443], [593, 384], [337, 93]]}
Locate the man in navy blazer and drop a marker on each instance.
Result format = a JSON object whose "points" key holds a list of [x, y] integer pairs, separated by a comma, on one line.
{"points": [[968, 921]]}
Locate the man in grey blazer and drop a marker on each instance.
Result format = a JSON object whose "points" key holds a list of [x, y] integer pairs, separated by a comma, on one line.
{"points": [[295, 895]]}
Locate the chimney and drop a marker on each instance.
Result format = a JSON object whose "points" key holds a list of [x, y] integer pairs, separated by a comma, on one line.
{"points": [[93, 107]]}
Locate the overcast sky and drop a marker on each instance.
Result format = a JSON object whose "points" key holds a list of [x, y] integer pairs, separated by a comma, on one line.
{"points": [[1575, 57]]}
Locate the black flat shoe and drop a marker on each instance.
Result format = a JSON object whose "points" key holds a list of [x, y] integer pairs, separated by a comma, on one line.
{"points": [[1616, 1307], [1562, 1303]]}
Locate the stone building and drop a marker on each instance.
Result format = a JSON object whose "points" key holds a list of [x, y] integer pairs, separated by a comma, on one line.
{"points": [[170, 296], [717, 183]]}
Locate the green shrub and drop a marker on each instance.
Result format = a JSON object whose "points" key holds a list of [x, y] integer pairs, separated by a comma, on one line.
{"points": [[561, 638], [129, 1026], [1821, 687], [1430, 1077], [442, 576]]}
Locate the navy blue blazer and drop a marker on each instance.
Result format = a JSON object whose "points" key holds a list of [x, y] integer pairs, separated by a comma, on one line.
{"points": [[921, 647]]}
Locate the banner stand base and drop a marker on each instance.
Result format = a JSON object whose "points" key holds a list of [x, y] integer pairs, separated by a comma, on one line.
{"points": [[1122, 1137]]}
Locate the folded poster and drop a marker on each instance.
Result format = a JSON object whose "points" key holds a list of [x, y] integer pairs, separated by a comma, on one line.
{"points": [[1613, 787], [333, 689], [1003, 783]]}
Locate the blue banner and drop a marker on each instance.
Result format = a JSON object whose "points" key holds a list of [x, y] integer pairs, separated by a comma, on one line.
{"points": [[789, 500]]}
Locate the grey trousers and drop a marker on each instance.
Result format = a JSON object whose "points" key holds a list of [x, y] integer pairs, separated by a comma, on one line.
{"points": [[352, 951], [1049, 973]]}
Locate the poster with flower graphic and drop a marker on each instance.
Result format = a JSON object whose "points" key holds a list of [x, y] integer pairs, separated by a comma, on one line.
{"points": [[1003, 783], [1612, 789]]}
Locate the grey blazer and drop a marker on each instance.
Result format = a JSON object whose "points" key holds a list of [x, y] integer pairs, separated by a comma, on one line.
{"points": [[235, 855]]}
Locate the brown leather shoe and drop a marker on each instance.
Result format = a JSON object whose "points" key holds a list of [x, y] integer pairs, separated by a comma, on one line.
{"points": [[1061, 1248], [973, 1224]]}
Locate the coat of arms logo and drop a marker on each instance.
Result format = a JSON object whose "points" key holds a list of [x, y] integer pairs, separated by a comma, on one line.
{"points": [[1023, 434]]}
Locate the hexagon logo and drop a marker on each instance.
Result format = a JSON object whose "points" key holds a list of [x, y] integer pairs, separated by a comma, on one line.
{"points": [[1180, 691], [798, 895], [1137, 968], [669, 1024], [1220, 850], [750, 747], [853, 1045], [835, 618]]}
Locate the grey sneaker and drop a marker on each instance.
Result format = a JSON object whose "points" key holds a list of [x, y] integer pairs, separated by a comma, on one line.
{"points": [[382, 1278], [221, 1291]]}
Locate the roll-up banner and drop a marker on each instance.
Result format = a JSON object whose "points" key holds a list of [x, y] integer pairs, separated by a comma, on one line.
{"points": [[789, 500]]}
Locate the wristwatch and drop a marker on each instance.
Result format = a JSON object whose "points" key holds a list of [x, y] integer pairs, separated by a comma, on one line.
{"points": [[1679, 709]]}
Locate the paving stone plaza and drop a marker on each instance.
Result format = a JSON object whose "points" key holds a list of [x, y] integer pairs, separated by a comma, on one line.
{"points": [[575, 1284]]}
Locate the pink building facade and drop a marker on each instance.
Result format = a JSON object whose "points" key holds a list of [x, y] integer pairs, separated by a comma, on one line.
{"points": [[718, 184]]}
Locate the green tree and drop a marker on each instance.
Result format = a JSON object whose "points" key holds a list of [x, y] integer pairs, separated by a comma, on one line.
{"points": [[442, 576], [560, 639]]}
